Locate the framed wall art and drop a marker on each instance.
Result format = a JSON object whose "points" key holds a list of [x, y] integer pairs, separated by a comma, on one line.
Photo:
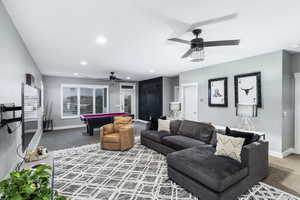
{"points": [[217, 92], [247, 89]]}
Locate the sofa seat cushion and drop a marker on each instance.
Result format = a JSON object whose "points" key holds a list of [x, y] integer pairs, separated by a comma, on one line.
{"points": [[179, 142], [155, 135], [111, 138], [200, 164], [152, 135]]}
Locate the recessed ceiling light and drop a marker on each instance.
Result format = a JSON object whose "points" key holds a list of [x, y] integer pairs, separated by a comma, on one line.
{"points": [[128, 78], [83, 63], [151, 70], [76, 74], [101, 40]]}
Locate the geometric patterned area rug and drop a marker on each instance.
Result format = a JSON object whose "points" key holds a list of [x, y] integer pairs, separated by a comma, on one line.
{"points": [[87, 172]]}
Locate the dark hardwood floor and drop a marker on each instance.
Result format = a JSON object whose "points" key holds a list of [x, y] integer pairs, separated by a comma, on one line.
{"points": [[62, 139]]}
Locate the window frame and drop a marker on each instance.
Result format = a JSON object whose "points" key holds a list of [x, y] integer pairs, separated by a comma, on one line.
{"points": [[78, 87]]}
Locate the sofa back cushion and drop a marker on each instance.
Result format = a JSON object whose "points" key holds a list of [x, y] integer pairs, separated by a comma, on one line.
{"points": [[197, 130], [174, 126]]}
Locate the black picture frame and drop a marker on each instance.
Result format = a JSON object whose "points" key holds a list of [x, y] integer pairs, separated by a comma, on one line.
{"points": [[258, 87], [210, 81]]}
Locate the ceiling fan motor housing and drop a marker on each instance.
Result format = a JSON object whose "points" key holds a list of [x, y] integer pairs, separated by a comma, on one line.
{"points": [[197, 43]]}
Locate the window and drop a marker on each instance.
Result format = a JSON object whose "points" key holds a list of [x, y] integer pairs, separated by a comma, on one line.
{"points": [[83, 99], [86, 101], [101, 100], [70, 106]]}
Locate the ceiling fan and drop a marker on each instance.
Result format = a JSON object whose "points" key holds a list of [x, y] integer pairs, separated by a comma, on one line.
{"points": [[113, 77], [197, 45]]}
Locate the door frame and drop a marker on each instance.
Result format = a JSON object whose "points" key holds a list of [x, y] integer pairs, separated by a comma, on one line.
{"points": [[134, 96], [181, 91], [296, 112], [176, 89]]}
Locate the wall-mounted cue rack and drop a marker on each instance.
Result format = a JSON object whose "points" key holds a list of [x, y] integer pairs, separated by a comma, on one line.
{"points": [[9, 108]]}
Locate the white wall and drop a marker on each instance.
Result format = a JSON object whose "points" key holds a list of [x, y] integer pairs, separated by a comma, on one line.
{"points": [[168, 92], [269, 117], [15, 62], [167, 95], [288, 96]]}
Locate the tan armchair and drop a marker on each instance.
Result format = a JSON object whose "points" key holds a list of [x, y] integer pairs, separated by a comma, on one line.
{"points": [[118, 135]]}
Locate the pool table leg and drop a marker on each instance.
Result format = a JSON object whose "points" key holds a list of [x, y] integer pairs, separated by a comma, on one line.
{"points": [[91, 131]]}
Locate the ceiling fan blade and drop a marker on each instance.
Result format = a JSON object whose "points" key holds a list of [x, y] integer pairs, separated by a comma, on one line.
{"points": [[188, 53], [221, 43], [179, 40], [213, 21], [177, 26]]}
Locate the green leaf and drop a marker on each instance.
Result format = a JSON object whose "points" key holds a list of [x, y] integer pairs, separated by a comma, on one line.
{"points": [[29, 188], [15, 174], [16, 197], [42, 168], [43, 174]]}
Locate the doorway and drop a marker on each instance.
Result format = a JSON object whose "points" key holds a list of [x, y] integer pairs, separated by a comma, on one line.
{"points": [[127, 98], [189, 96]]}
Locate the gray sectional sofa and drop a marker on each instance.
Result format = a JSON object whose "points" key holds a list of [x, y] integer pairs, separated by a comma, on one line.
{"points": [[190, 148]]}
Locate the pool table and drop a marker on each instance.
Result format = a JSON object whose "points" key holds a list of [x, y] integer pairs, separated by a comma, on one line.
{"points": [[98, 120]]}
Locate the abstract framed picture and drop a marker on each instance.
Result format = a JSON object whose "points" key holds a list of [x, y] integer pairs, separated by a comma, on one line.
{"points": [[247, 89], [217, 92]]}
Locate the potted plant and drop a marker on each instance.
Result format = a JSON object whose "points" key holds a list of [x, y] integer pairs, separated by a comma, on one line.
{"points": [[29, 185]]}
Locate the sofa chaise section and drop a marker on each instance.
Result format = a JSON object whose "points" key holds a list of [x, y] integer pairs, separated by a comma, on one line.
{"points": [[216, 177]]}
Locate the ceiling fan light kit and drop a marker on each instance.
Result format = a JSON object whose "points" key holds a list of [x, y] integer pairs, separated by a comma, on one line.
{"points": [[197, 55]]}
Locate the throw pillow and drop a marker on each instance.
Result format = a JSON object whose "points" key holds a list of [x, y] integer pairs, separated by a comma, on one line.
{"points": [[229, 146], [249, 137], [164, 125]]}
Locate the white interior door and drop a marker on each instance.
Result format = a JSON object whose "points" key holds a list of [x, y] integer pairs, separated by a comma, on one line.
{"points": [[190, 102], [297, 113], [127, 97]]}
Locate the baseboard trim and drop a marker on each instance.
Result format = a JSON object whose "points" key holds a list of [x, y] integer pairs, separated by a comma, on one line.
{"points": [[288, 152], [68, 127], [282, 154]]}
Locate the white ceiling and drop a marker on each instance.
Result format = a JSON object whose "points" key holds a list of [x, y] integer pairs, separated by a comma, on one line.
{"points": [[61, 33]]}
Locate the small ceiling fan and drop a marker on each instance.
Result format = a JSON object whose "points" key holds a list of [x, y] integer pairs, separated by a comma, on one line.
{"points": [[197, 45], [113, 77]]}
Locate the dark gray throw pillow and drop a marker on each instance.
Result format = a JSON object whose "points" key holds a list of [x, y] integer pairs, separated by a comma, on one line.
{"points": [[249, 137]]}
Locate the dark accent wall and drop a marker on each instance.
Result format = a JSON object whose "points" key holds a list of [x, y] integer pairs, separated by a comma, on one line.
{"points": [[151, 98]]}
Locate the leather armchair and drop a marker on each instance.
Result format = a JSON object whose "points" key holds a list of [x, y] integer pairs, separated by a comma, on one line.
{"points": [[118, 135]]}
